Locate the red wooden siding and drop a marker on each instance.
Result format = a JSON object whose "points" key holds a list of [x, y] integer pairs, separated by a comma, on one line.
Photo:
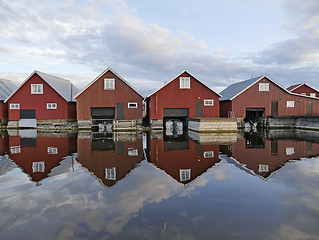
{"points": [[3, 110], [305, 89], [171, 96], [253, 157], [97, 161], [253, 98], [96, 96], [38, 101], [172, 161], [39, 153]]}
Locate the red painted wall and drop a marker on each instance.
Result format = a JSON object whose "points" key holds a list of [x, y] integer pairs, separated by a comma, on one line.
{"points": [[97, 161], [72, 110], [305, 89], [96, 96], [253, 157], [3, 110], [252, 98], [171, 161], [28, 155], [171, 96], [38, 101]]}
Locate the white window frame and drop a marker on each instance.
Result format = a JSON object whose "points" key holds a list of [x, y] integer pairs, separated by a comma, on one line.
{"points": [[184, 82], [109, 84], [313, 95], [36, 88], [290, 151], [290, 104], [263, 168], [52, 106], [184, 174], [208, 102], [52, 150], [208, 154], [110, 173], [38, 166], [132, 152], [14, 105], [15, 149], [132, 103], [263, 87]]}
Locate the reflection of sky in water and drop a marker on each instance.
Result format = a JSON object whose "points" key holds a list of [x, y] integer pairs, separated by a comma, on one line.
{"points": [[223, 203]]}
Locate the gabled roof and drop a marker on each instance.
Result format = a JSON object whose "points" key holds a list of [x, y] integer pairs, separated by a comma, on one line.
{"points": [[236, 89], [294, 87], [177, 77], [107, 70], [6, 88], [62, 86]]}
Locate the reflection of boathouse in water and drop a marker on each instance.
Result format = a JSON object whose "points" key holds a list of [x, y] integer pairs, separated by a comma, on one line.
{"points": [[109, 157], [264, 156], [182, 159], [38, 154]]}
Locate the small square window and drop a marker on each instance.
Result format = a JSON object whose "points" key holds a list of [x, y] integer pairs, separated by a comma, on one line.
{"points": [[208, 102], [109, 84], [184, 83], [14, 106], [52, 150], [290, 104], [209, 154], [304, 94], [263, 168], [312, 94], [263, 87], [290, 151], [52, 105], [184, 174], [110, 173], [36, 88], [132, 105], [132, 152], [38, 166], [15, 149]]}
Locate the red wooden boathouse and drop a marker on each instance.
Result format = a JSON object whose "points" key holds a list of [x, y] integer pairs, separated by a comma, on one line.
{"points": [[183, 97], [107, 98], [304, 89], [6, 88], [42, 98], [262, 97]]}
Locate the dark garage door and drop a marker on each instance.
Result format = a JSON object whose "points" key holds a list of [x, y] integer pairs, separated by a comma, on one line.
{"points": [[27, 114], [102, 112], [176, 112]]}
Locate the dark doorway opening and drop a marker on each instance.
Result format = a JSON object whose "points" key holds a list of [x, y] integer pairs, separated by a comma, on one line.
{"points": [[102, 118], [255, 117]]}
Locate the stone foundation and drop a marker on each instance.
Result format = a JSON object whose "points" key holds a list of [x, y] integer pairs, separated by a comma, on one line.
{"points": [[217, 138], [156, 124], [212, 124], [292, 122]]}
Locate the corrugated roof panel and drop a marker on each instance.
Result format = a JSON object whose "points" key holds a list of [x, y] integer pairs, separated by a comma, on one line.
{"points": [[236, 88], [7, 87], [64, 87]]}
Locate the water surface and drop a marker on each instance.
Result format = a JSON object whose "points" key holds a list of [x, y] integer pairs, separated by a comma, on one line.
{"points": [[138, 186]]}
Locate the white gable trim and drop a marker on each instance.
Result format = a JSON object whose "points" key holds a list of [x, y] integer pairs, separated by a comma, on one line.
{"points": [[98, 77], [177, 77]]}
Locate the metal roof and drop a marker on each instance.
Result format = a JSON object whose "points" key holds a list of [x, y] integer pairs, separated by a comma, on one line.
{"points": [[62, 86], [235, 89], [111, 70], [6, 88]]}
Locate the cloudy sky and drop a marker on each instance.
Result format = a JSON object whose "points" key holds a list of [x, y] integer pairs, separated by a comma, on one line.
{"points": [[150, 42]]}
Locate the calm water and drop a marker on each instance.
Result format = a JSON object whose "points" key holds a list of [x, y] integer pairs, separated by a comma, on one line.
{"points": [[126, 186]]}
